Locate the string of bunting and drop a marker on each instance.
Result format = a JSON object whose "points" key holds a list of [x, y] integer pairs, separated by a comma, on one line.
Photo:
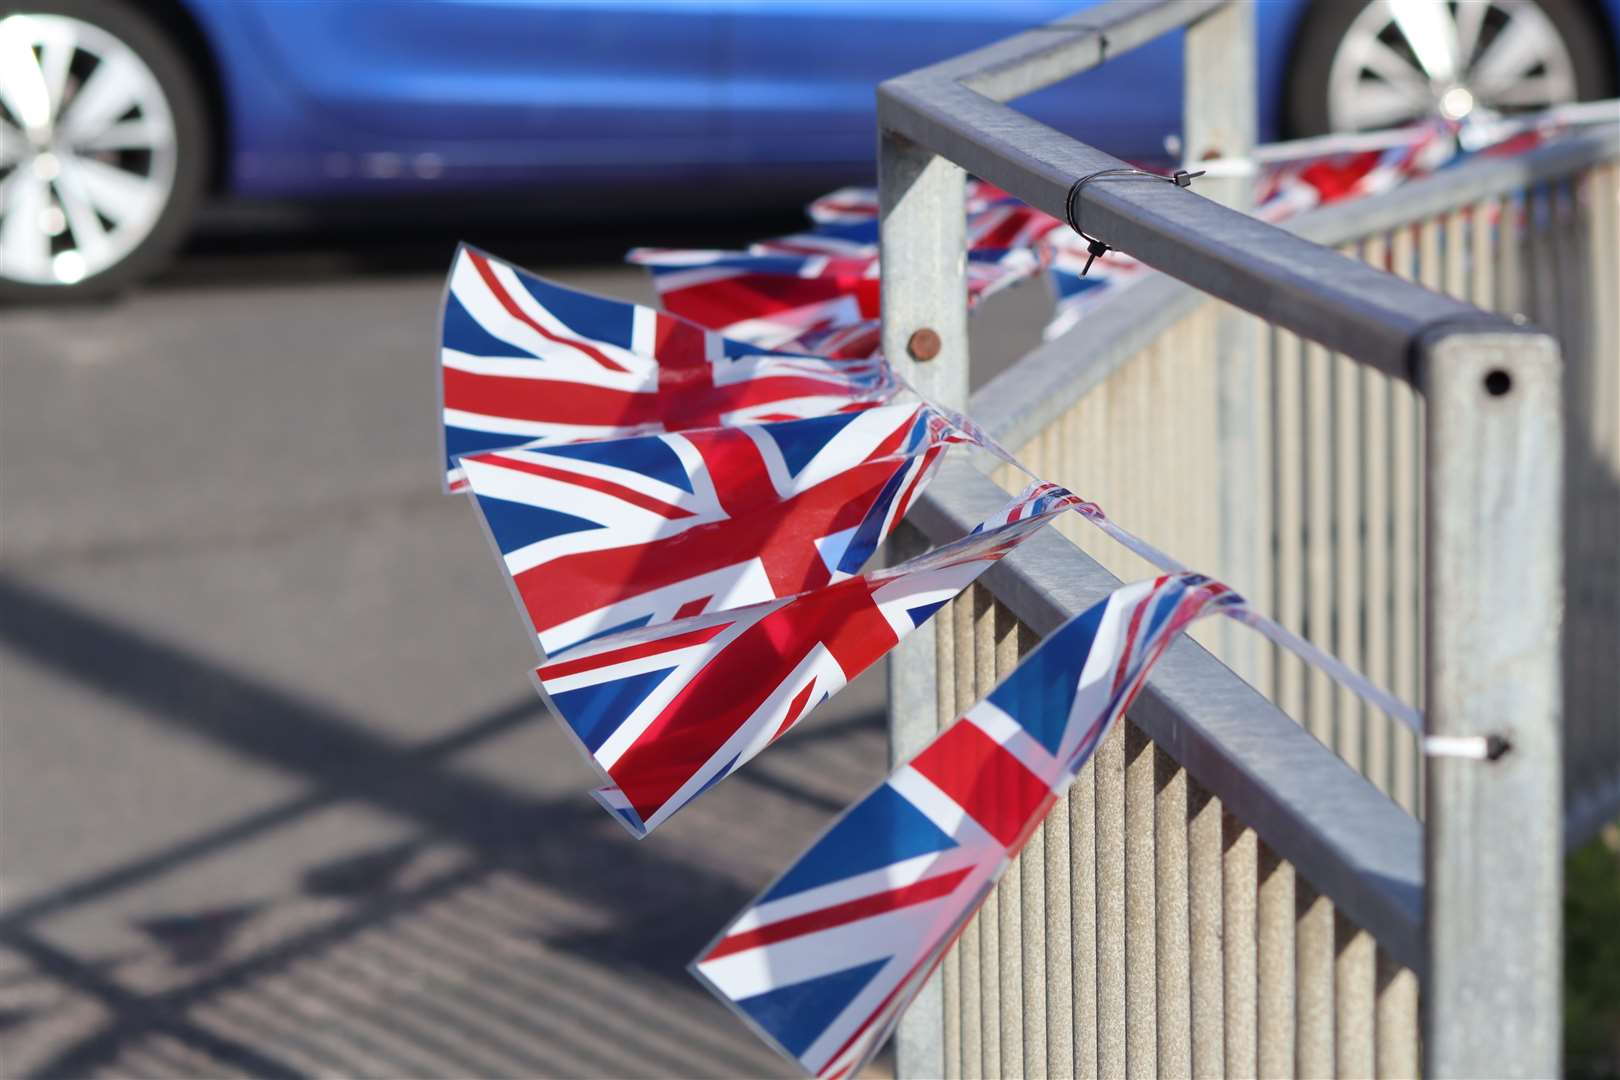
{"points": [[683, 502]]}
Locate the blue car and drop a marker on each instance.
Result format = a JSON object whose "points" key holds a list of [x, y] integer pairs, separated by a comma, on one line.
{"points": [[118, 117]]}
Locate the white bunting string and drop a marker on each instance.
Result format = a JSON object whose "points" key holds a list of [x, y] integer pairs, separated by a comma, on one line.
{"points": [[1469, 747]]}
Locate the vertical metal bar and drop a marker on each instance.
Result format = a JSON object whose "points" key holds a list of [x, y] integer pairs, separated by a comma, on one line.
{"points": [[1010, 903], [1509, 255], [1592, 569], [1064, 957], [1110, 903], [1172, 940], [1205, 893], [916, 1059], [1495, 448], [1406, 511], [1456, 245], [1274, 919], [973, 1016], [1583, 489], [1354, 1022], [1482, 253], [1085, 990], [1313, 982], [1219, 113], [921, 228], [1219, 118], [1397, 1019], [1141, 971], [1240, 948], [1263, 589], [989, 916], [1041, 922], [1375, 397], [1600, 568], [1290, 494], [914, 707], [1350, 450], [1319, 533]]}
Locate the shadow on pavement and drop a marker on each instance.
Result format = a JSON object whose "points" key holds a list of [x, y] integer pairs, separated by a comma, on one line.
{"points": [[507, 936]]}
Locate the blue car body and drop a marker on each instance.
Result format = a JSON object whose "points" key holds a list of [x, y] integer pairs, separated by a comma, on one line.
{"points": [[356, 96]]}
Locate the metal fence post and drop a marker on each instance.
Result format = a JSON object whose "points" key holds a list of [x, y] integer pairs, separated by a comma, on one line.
{"points": [[922, 200], [1219, 114], [1219, 120], [1495, 608]]}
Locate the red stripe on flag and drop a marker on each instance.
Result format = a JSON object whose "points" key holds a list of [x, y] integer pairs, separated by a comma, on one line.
{"points": [[1131, 631], [800, 700], [549, 401], [898, 987], [499, 292], [692, 404], [982, 778], [693, 607], [839, 914], [595, 483], [631, 652], [719, 700]]}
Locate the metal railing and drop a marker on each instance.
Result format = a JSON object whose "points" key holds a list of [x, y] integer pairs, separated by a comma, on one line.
{"points": [[1218, 894], [1334, 517], [1143, 931]]}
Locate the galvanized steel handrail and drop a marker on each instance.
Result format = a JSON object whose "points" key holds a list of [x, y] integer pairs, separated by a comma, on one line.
{"points": [[1020, 401], [1318, 293]]}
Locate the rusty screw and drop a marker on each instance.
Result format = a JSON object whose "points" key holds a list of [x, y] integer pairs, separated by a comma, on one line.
{"points": [[924, 344]]}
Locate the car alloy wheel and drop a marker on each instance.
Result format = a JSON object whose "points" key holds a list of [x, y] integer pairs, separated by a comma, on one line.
{"points": [[87, 150], [1404, 59]]}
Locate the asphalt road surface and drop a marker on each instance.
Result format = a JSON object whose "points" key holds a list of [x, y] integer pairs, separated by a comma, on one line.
{"points": [[276, 798]]}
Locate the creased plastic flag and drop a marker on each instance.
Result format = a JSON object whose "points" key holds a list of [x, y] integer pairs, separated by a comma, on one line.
{"points": [[822, 964], [666, 712], [615, 534], [787, 291], [524, 359]]}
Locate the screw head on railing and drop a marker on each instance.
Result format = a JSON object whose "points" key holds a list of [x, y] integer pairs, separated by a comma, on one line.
{"points": [[924, 344]]}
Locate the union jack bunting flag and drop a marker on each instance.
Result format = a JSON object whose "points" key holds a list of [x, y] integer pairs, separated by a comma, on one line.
{"points": [[822, 964], [668, 711], [615, 534], [1292, 187], [768, 298], [854, 341], [781, 290], [525, 360], [852, 204]]}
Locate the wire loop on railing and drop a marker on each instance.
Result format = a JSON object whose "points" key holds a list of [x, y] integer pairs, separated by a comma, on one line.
{"points": [[1071, 205]]}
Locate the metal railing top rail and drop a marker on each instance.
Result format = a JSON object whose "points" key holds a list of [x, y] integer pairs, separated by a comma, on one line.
{"points": [[1451, 189], [1018, 403], [1341, 833], [1345, 305], [1039, 57]]}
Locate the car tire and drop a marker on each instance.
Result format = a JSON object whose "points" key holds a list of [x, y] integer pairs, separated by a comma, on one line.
{"points": [[162, 182], [1327, 26]]}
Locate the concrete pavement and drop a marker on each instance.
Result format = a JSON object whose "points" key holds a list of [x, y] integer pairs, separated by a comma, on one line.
{"points": [[275, 796]]}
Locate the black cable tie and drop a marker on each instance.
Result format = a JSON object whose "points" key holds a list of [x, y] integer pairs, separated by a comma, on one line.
{"points": [[1071, 206]]}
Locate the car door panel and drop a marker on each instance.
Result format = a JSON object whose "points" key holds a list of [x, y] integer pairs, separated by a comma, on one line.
{"points": [[573, 78], [802, 75]]}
